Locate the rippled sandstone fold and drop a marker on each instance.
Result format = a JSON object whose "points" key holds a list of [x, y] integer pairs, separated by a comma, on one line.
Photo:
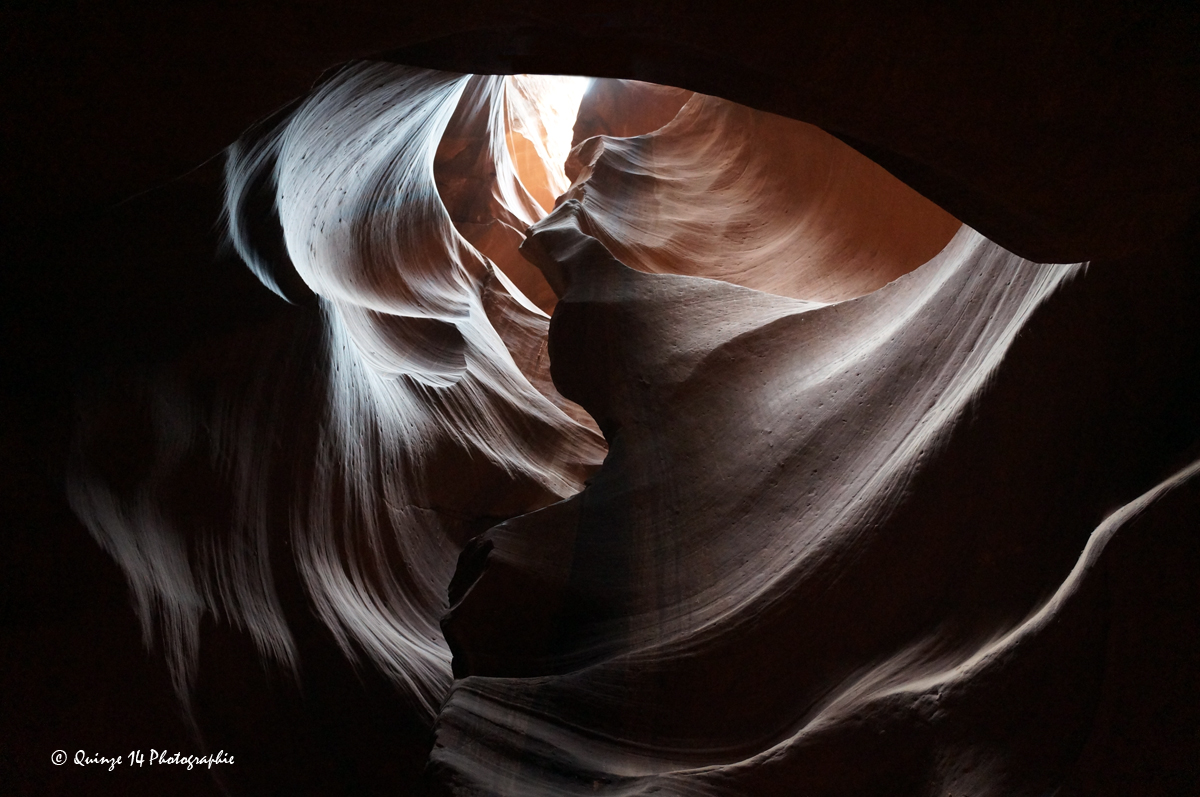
{"points": [[349, 453], [726, 192], [859, 527], [761, 451]]}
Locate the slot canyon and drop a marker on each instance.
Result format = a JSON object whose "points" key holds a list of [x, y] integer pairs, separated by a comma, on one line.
{"points": [[523, 399]]}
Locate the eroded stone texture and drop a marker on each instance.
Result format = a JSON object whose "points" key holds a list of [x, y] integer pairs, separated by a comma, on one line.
{"points": [[932, 538], [725, 192], [731, 606]]}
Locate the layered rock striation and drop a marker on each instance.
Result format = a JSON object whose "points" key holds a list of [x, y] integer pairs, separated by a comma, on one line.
{"points": [[801, 488]]}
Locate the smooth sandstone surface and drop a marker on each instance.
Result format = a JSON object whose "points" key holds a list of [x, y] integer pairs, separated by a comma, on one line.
{"points": [[884, 508], [728, 193]]}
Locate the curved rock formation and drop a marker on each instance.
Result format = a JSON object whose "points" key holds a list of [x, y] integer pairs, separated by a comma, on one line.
{"points": [[813, 559], [751, 198], [411, 404], [761, 451]]}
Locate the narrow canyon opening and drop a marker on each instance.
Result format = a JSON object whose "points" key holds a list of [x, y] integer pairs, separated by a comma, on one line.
{"points": [[680, 183]]}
